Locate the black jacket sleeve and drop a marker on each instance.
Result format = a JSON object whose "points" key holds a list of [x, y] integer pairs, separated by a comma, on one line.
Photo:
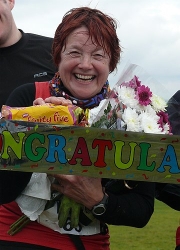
{"points": [[129, 207], [170, 193], [13, 183], [22, 96]]}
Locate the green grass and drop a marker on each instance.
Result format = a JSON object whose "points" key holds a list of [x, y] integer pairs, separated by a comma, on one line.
{"points": [[158, 234]]}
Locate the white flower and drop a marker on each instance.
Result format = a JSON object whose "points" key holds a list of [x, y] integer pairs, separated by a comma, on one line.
{"points": [[166, 129], [149, 109], [131, 119], [127, 96], [158, 103], [149, 123]]}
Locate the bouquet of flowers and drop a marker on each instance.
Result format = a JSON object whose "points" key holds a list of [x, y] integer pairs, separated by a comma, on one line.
{"points": [[132, 106]]}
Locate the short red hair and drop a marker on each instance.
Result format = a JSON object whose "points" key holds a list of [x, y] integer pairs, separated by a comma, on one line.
{"points": [[101, 27]]}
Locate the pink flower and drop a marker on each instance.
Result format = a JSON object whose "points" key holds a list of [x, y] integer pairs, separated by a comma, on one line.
{"points": [[143, 95], [134, 83], [163, 119]]}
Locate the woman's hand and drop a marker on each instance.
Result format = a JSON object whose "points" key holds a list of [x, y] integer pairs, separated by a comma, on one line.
{"points": [[84, 190], [53, 100]]}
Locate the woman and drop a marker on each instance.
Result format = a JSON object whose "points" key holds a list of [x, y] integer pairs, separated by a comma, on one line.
{"points": [[85, 50]]}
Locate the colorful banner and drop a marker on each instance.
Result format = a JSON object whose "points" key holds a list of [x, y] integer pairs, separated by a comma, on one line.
{"points": [[94, 152]]}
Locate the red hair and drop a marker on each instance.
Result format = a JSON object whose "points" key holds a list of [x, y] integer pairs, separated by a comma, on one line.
{"points": [[101, 27]]}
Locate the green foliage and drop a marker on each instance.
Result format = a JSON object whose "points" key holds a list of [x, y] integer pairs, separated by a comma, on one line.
{"points": [[158, 234], [107, 119]]}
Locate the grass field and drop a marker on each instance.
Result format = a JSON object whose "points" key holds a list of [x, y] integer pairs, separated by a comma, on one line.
{"points": [[158, 234]]}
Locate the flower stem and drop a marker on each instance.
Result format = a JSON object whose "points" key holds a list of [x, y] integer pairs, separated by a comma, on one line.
{"points": [[18, 225]]}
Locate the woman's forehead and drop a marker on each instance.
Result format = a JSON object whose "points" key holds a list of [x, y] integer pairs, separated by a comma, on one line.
{"points": [[81, 35]]}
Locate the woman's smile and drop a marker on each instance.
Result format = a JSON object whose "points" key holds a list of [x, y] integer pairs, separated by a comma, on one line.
{"points": [[84, 79]]}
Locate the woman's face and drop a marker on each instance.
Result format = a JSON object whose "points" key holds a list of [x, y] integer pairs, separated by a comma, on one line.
{"points": [[84, 67]]}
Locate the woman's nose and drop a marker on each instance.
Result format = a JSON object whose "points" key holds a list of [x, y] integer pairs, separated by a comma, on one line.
{"points": [[86, 62]]}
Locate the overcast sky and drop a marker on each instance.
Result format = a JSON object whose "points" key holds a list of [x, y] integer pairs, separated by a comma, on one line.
{"points": [[149, 31]]}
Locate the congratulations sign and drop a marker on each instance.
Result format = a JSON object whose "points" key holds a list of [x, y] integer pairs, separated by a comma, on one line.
{"points": [[94, 152]]}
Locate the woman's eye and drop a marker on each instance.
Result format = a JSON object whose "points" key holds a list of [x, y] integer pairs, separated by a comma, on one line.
{"points": [[98, 56], [74, 54]]}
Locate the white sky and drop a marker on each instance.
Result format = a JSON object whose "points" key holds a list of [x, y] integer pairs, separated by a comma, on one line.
{"points": [[149, 31]]}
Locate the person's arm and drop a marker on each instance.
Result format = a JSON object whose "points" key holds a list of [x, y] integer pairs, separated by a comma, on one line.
{"points": [[133, 208], [22, 96], [170, 193], [12, 183]]}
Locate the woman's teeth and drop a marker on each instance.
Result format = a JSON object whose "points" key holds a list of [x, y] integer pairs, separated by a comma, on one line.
{"points": [[83, 77]]}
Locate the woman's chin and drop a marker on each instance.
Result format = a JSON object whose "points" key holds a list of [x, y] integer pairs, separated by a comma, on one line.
{"points": [[84, 93]]}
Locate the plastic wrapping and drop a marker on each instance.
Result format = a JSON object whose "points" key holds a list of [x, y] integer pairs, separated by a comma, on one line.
{"points": [[50, 114]]}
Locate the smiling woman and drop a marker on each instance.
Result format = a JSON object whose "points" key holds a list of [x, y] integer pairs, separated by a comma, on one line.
{"points": [[85, 50]]}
